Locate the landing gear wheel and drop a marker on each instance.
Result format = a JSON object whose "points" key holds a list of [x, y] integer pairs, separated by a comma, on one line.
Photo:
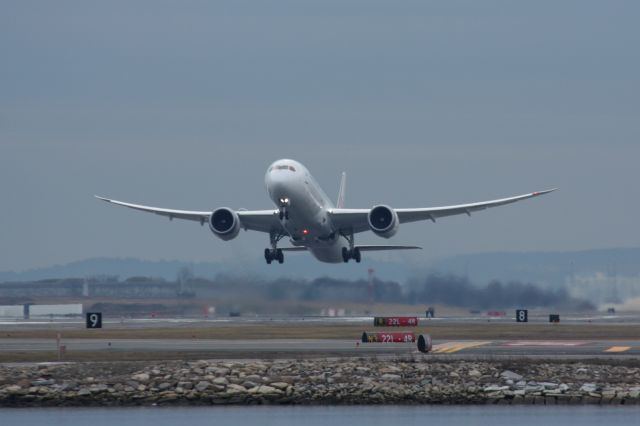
{"points": [[424, 343], [356, 255], [267, 256], [280, 256], [345, 255]]}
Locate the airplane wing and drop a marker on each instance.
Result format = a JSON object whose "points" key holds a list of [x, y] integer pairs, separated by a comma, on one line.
{"points": [[256, 220], [356, 219], [385, 248]]}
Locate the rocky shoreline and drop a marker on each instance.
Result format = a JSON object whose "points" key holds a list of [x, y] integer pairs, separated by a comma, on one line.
{"points": [[315, 382]]}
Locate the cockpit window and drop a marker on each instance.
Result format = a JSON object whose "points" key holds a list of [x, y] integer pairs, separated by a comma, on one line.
{"points": [[281, 167]]}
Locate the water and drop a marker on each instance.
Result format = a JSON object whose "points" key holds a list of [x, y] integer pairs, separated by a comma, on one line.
{"points": [[325, 416]]}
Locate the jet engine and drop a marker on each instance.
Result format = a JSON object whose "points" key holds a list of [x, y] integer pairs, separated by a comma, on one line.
{"points": [[383, 221], [224, 223]]}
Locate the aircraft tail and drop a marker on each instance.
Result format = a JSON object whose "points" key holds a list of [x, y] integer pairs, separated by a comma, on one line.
{"points": [[341, 192]]}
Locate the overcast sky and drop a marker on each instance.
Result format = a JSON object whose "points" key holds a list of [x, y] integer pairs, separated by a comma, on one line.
{"points": [[184, 104]]}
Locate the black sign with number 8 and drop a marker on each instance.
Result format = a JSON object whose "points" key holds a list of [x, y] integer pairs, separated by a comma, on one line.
{"points": [[522, 315], [94, 319]]}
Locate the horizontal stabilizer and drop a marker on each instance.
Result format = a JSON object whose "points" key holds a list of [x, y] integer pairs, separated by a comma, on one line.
{"points": [[382, 248], [293, 248]]}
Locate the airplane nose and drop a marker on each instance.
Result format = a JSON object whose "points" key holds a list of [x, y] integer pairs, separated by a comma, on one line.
{"points": [[276, 184]]}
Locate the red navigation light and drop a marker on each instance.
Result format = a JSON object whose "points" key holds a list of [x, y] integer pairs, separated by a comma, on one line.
{"points": [[305, 231]]}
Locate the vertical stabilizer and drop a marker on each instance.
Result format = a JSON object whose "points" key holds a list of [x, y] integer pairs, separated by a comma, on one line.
{"points": [[341, 192]]}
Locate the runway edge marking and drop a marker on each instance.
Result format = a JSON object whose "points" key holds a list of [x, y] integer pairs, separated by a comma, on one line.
{"points": [[550, 343], [452, 347], [617, 349]]}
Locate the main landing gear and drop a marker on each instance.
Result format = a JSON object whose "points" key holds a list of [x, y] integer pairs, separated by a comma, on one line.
{"points": [[274, 253], [351, 252], [270, 255]]}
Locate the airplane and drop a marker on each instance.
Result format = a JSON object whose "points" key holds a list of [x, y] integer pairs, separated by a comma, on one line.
{"points": [[308, 217]]}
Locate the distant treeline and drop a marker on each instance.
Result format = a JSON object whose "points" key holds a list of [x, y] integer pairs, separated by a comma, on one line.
{"points": [[459, 291], [432, 289]]}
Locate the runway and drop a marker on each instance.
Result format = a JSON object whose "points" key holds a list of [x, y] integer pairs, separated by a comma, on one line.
{"points": [[254, 338], [628, 318], [256, 348]]}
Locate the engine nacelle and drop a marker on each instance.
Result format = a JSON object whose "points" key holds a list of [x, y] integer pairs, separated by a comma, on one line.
{"points": [[383, 221], [224, 223]]}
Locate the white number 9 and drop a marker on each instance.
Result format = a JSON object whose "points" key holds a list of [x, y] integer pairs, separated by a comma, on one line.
{"points": [[93, 318]]}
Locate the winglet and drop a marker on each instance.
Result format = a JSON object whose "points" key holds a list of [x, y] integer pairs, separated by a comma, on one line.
{"points": [[341, 192], [537, 193]]}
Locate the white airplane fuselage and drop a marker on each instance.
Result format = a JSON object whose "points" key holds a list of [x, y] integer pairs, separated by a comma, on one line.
{"points": [[292, 188]]}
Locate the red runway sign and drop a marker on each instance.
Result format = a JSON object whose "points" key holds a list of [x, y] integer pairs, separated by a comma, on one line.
{"points": [[383, 337], [395, 321]]}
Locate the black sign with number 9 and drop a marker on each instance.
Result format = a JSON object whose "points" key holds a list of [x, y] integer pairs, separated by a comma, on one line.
{"points": [[522, 315], [94, 319]]}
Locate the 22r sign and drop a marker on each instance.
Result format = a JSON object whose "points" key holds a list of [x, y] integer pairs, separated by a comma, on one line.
{"points": [[94, 319]]}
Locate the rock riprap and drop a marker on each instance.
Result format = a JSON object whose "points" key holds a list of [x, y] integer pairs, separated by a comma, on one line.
{"points": [[353, 381]]}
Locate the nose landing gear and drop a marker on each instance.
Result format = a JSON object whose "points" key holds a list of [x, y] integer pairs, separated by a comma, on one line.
{"points": [[283, 212]]}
